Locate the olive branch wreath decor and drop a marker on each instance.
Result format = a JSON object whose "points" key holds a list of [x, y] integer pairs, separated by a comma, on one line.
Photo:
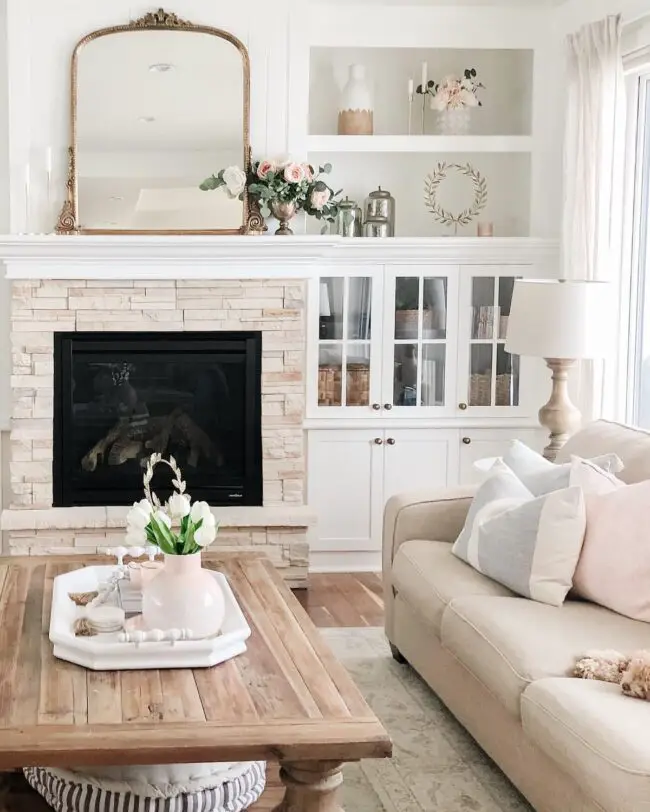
{"points": [[432, 185]]}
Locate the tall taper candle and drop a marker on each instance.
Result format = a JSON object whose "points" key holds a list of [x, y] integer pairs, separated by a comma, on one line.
{"points": [[425, 76], [411, 96], [48, 171]]}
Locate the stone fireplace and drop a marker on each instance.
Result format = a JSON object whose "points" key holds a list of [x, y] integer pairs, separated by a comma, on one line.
{"points": [[47, 310]]}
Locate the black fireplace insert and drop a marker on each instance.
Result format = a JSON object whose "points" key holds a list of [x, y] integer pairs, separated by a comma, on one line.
{"points": [[119, 397]]}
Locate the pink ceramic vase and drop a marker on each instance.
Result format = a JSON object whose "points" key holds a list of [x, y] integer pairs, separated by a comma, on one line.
{"points": [[183, 596]]}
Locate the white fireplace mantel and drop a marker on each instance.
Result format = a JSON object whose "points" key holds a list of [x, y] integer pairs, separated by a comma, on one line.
{"points": [[49, 256]]}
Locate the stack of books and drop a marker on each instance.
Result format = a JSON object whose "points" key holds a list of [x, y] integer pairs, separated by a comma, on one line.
{"points": [[484, 318]]}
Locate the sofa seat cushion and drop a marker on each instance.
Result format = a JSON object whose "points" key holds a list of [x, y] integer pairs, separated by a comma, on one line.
{"points": [[428, 576], [597, 735], [507, 643]]}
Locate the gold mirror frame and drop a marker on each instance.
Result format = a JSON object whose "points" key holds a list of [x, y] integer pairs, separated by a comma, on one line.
{"points": [[161, 20]]}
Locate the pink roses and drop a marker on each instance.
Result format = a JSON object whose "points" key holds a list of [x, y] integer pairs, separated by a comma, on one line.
{"points": [[320, 198], [294, 173], [265, 168]]}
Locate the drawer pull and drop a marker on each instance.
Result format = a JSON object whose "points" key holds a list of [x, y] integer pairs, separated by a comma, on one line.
{"points": [[467, 440], [378, 441], [391, 441]]}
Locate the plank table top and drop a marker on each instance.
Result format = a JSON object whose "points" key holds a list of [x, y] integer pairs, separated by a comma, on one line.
{"points": [[285, 699]]}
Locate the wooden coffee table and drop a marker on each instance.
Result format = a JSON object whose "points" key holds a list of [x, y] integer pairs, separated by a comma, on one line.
{"points": [[286, 699]]}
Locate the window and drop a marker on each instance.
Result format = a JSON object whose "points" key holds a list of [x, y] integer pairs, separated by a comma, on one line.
{"points": [[638, 392]]}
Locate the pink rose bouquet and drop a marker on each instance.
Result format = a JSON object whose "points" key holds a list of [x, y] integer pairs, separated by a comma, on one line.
{"points": [[454, 92], [268, 181]]}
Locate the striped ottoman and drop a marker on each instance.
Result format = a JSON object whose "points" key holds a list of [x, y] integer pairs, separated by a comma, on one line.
{"points": [[159, 788]]}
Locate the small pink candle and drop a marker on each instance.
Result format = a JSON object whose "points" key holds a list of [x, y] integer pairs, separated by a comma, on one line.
{"points": [[485, 230]]}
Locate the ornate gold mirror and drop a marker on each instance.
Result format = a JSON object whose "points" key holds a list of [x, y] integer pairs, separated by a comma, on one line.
{"points": [[157, 106]]}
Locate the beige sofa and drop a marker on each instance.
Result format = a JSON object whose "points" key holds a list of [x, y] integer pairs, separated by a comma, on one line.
{"points": [[500, 662]]}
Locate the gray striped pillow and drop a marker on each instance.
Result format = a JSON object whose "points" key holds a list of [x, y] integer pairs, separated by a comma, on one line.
{"points": [[66, 791]]}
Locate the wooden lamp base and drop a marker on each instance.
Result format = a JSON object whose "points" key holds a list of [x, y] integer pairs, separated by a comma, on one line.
{"points": [[559, 416]]}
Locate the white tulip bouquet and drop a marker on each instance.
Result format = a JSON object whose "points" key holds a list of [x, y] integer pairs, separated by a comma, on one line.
{"points": [[177, 527]]}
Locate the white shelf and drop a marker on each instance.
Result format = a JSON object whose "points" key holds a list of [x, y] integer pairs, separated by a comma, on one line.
{"points": [[420, 143]]}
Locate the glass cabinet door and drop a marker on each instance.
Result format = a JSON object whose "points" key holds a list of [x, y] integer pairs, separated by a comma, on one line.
{"points": [[494, 374], [344, 341], [417, 363]]}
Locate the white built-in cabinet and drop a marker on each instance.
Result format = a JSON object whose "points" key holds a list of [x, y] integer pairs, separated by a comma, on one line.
{"points": [[408, 384]]}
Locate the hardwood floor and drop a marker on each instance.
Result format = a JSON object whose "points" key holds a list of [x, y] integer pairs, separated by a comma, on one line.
{"points": [[341, 600], [337, 600]]}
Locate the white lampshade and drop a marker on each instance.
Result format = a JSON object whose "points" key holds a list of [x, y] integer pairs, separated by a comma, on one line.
{"points": [[567, 319]]}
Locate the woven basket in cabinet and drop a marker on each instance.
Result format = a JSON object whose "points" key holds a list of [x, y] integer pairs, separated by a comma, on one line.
{"points": [[480, 390], [329, 385]]}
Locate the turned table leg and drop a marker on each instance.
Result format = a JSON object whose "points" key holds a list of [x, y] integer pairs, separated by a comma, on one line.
{"points": [[311, 787]]}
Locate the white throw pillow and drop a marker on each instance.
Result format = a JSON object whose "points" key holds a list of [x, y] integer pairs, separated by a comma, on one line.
{"points": [[531, 545], [541, 476]]}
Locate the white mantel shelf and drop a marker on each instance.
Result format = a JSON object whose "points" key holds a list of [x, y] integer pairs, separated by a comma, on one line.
{"points": [[49, 256]]}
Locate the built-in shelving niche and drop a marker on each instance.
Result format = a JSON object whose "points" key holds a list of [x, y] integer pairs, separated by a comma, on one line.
{"points": [[499, 142], [506, 74], [507, 175]]}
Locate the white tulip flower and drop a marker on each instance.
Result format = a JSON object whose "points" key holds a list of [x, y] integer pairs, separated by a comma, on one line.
{"points": [[201, 511], [205, 535], [178, 506], [136, 537], [139, 516], [162, 518]]}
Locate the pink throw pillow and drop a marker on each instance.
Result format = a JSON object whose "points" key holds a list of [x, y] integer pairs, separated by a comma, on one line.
{"points": [[614, 566]]}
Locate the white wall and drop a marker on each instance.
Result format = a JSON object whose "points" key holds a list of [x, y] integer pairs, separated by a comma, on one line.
{"points": [[575, 13]]}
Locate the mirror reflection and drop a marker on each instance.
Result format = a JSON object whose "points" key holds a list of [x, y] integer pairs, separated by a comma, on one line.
{"points": [[156, 111]]}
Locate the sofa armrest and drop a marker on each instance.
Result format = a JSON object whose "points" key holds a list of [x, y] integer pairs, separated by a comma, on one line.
{"points": [[435, 515]]}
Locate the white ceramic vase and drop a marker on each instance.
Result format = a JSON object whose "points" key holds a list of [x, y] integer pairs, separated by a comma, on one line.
{"points": [[356, 108], [183, 596]]}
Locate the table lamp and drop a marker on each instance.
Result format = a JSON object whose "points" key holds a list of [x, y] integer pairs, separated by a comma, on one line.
{"points": [[561, 321]]}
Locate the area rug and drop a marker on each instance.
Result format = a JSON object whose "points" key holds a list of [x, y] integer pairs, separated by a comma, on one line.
{"points": [[436, 765]]}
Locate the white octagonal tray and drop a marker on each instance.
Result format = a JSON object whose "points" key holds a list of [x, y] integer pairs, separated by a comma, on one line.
{"points": [[105, 652]]}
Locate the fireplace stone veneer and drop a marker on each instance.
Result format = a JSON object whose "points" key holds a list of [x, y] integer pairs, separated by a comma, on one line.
{"points": [[41, 308]]}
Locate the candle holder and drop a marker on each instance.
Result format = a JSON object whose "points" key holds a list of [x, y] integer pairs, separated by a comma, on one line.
{"points": [[410, 126], [423, 92]]}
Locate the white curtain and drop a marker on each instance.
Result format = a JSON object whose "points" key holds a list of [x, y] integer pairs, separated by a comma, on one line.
{"points": [[593, 175]]}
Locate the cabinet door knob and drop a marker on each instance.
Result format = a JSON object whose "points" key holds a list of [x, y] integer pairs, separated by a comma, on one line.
{"points": [[378, 441], [391, 441], [467, 440], [388, 406], [376, 406], [462, 406]]}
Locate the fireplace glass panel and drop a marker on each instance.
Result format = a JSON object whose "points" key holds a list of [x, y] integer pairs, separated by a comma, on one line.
{"points": [[121, 397]]}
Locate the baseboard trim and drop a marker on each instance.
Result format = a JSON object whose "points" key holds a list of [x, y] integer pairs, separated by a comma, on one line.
{"points": [[344, 561]]}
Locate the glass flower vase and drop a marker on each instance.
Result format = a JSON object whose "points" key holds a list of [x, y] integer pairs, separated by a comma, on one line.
{"points": [[183, 596], [454, 121]]}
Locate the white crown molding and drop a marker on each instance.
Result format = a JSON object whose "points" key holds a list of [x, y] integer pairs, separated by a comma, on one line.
{"points": [[192, 257]]}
